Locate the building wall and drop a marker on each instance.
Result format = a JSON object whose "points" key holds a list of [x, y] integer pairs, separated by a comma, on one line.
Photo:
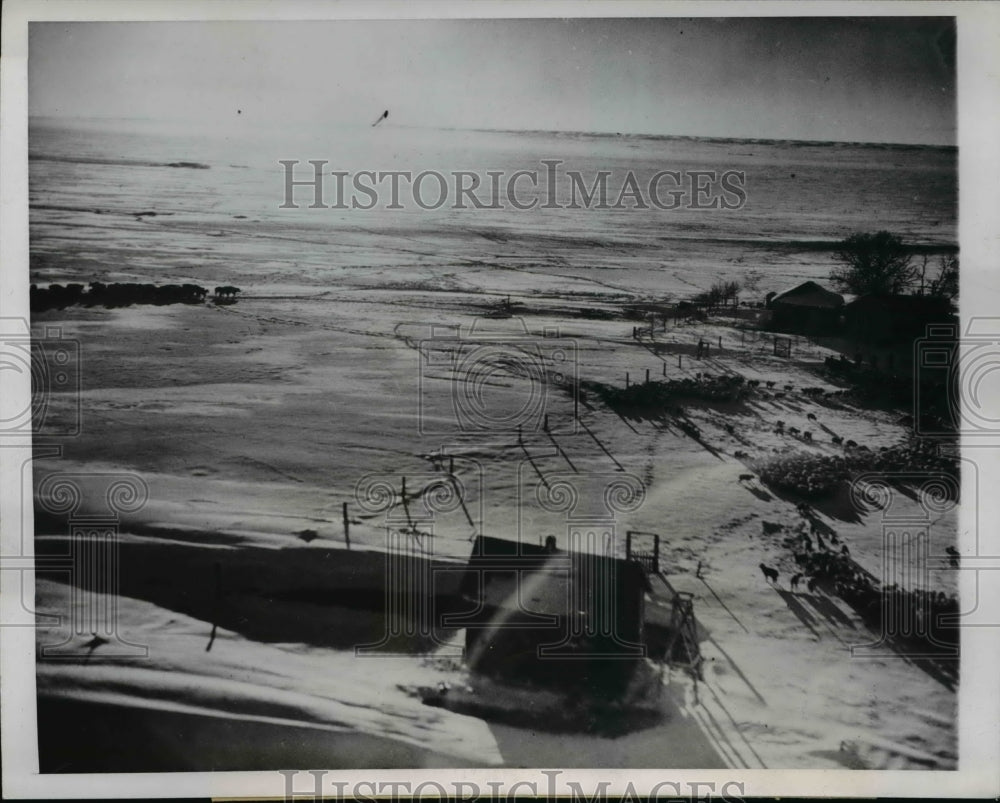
{"points": [[805, 320], [503, 640]]}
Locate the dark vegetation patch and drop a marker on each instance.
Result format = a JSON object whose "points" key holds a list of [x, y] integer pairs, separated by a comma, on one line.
{"points": [[662, 397], [123, 294]]}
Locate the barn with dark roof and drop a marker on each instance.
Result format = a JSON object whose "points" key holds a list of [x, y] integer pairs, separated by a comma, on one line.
{"points": [[807, 308]]}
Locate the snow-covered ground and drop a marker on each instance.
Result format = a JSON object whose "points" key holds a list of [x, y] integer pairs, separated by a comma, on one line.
{"points": [[253, 424]]}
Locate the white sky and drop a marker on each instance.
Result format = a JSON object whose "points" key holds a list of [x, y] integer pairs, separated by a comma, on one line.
{"points": [[876, 79]]}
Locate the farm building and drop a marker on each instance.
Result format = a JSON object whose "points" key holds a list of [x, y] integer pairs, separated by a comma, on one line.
{"points": [[807, 308], [883, 320], [552, 616]]}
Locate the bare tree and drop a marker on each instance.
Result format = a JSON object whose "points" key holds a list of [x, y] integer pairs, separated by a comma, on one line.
{"points": [[719, 294], [731, 292], [945, 283], [751, 280], [711, 297], [876, 264]]}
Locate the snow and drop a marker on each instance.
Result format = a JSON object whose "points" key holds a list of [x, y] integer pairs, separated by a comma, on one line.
{"points": [[288, 687], [262, 419]]}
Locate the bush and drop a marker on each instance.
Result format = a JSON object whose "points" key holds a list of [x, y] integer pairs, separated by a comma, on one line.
{"points": [[658, 397]]}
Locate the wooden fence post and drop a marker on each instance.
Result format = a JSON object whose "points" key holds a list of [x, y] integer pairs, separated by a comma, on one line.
{"points": [[218, 604]]}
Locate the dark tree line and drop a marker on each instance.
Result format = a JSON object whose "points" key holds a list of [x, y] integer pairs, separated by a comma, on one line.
{"points": [[882, 264], [720, 294]]}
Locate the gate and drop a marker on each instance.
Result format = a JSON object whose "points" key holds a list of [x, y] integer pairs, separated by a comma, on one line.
{"points": [[648, 558]]}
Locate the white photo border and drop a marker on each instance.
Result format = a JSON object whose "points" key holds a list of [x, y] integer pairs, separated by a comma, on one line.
{"points": [[978, 68]]}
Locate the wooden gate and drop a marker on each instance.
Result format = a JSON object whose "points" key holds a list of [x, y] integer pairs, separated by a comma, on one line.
{"points": [[644, 549]]}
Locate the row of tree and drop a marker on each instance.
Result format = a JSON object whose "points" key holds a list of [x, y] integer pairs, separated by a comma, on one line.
{"points": [[877, 263], [720, 294], [882, 264]]}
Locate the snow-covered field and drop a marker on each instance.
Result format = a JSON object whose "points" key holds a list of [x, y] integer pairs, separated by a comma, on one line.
{"points": [[365, 350], [253, 423]]}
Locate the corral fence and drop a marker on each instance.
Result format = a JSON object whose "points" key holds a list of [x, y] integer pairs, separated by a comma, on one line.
{"points": [[644, 549]]}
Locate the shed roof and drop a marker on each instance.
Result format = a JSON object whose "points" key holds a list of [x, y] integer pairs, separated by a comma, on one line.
{"points": [[809, 294]]}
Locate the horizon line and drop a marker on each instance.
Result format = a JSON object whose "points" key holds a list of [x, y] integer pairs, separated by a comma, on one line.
{"points": [[622, 134]]}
